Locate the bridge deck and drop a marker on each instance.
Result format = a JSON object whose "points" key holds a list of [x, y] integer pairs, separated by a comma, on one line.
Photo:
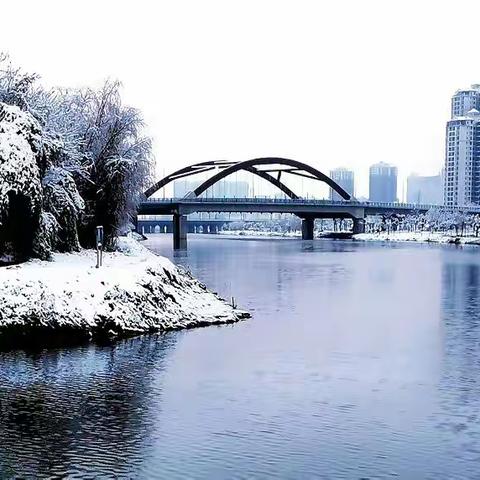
{"points": [[301, 206], [307, 209]]}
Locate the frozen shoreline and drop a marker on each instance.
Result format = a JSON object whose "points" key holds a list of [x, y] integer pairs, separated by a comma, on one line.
{"points": [[421, 237], [134, 292]]}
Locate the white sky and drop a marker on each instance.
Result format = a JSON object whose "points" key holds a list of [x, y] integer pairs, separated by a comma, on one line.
{"points": [[332, 83]]}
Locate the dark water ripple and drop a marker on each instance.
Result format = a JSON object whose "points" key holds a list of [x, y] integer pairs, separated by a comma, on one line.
{"points": [[361, 361], [70, 412]]}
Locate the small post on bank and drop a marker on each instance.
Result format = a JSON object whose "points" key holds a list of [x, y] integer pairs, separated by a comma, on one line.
{"points": [[99, 244]]}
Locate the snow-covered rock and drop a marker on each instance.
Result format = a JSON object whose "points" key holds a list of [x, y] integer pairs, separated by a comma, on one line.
{"points": [[134, 291]]}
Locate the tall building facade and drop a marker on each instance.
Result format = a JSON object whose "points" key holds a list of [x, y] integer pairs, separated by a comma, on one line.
{"points": [[465, 100], [383, 183], [425, 189], [462, 149], [346, 179]]}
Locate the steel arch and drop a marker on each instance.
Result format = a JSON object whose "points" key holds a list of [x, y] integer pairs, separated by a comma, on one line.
{"points": [[228, 168]]}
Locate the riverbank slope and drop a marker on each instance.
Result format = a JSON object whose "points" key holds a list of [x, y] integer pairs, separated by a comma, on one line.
{"points": [[135, 291]]}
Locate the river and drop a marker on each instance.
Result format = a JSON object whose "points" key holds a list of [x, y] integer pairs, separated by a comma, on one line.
{"points": [[361, 360]]}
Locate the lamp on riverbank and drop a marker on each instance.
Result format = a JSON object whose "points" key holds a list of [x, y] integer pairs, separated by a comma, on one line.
{"points": [[99, 243]]}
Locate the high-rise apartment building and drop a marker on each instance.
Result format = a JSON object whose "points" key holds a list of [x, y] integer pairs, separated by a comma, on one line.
{"points": [[346, 179], [425, 189], [464, 100], [462, 149], [383, 183]]}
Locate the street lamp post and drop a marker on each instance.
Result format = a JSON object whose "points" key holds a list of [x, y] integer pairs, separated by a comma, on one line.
{"points": [[99, 244]]}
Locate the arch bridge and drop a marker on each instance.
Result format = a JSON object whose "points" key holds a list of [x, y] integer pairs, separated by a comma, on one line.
{"points": [[273, 170]]}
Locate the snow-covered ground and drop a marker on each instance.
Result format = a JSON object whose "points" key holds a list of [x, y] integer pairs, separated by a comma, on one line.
{"points": [[433, 237], [260, 233], [134, 291], [267, 233]]}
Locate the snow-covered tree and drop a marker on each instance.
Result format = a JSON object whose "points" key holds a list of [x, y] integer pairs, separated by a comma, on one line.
{"points": [[20, 181], [15, 85], [90, 160], [118, 161]]}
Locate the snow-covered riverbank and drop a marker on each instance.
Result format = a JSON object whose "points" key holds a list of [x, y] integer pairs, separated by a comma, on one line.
{"points": [[426, 237], [135, 291], [260, 233], [292, 234]]}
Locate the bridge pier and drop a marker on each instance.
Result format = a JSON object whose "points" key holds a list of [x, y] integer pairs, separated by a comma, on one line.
{"points": [[358, 225], [180, 229], [307, 228]]}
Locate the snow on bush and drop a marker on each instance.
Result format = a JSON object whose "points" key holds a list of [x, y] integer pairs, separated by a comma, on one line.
{"points": [[46, 237], [20, 182], [62, 199], [20, 141]]}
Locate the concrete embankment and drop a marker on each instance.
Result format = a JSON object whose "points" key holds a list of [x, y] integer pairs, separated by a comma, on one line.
{"points": [[69, 300]]}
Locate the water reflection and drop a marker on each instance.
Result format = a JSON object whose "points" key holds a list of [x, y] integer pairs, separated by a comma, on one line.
{"points": [[85, 411], [461, 282], [459, 387], [360, 361]]}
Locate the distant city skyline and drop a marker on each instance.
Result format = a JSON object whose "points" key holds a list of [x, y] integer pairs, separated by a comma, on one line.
{"points": [[226, 188], [416, 188], [224, 93]]}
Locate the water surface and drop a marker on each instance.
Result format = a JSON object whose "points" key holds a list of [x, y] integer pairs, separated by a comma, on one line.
{"points": [[360, 361]]}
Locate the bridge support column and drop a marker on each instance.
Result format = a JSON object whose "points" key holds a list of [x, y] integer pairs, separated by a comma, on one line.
{"points": [[180, 229], [307, 228], [358, 225]]}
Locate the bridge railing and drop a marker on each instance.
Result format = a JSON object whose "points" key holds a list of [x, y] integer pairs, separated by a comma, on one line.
{"points": [[310, 201]]}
